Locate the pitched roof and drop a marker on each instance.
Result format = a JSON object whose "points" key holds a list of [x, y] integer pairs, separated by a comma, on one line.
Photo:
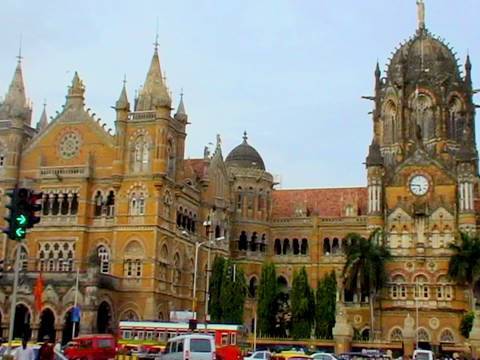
{"points": [[199, 166], [329, 202]]}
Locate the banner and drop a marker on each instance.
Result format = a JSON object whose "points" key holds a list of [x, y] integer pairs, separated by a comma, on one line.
{"points": [[76, 314]]}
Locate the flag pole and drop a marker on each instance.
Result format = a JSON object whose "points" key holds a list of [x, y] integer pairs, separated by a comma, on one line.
{"points": [[76, 300]]}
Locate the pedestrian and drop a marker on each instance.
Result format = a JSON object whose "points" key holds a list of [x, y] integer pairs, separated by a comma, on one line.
{"points": [[24, 352], [46, 350]]}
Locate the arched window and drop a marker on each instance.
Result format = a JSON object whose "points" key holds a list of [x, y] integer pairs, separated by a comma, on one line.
{"points": [[444, 288], [141, 154], [326, 246], [250, 198], [133, 260], [74, 204], [176, 274], [260, 200], [422, 290], [239, 198], [98, 204], [396, 335], [423, 114], [104, 259], [171, 159], [137, 203], [398, 289], [277, 247], [286, 247], [217, 232], [242, 243], [304, 247], [455, 120], [263, 243], [447, 336], [253, 242], [110, 204], [335, 246], [129, 315], [282, 284], [423, 335], [389, 118], [252, 287], [295, 246]]}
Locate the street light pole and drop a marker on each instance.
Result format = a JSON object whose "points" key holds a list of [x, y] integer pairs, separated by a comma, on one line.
{"points": [[194, 294], [13, 300]]}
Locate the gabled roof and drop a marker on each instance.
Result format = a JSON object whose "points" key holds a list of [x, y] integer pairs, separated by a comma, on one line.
{"points": [[329, 202]]}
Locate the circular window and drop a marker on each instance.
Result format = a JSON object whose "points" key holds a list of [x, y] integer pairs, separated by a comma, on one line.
{"points": [[69, 145]]}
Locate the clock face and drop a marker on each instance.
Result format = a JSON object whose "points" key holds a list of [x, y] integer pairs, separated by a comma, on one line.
{"points": [[419, 185]]}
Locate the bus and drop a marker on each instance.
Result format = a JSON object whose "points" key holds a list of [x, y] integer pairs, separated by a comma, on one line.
{"points": [[156, 333]]}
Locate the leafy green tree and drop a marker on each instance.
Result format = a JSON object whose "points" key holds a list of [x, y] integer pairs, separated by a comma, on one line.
{"points": [[467, 324], [326, 297], [464, 265], [364, 268], [215, 289], [302, 305], [233, 293], [267, 300]]}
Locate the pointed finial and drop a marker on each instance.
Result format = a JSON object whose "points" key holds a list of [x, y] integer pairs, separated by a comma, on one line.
{"points": [[19, 57], [156, 37], [377, 70], [245, 137], [124, 80], [421, 14]]}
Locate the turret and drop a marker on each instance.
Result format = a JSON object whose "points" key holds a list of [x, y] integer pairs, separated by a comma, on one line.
{"points": [[182, 117], [15, 105], [122, 108], [43, 122], [154, 94], [374, 164]]}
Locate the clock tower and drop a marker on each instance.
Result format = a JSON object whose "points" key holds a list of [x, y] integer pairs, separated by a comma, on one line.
{"points": [[422, 166]]}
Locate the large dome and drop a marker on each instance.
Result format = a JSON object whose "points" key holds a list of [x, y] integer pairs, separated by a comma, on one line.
{"points": [[245, 156], [439, 62]]}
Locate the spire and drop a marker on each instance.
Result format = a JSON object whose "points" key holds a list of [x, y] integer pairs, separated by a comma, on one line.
{"points": [[76, 91], [122, 102], [43, 122], [154, 92], [420, 15], [377, 71], [15, 103], [468, 72], [181, 106]]}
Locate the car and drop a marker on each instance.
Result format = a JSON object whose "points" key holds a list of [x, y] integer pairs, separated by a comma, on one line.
{"points": [[323, 356], [291, 355], [91, 347], [190, 347], [259, 355]]}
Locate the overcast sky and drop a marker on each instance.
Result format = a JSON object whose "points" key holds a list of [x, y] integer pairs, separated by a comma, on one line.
{"points": [[291, 73]]}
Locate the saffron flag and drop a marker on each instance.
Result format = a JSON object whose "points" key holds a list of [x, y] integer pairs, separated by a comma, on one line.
{"points": [[38, 292]]}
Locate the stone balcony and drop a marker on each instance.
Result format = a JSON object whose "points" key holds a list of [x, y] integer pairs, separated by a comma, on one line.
{"points": [[60, 172]]}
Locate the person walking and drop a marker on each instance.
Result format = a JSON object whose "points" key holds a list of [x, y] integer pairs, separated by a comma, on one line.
{"points": [[24, 352], [46, 350]]}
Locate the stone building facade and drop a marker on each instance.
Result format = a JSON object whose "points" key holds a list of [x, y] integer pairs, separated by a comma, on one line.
{"points": [[123, 209]]}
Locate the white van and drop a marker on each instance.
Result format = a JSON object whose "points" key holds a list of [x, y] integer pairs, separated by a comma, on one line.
{"points": [[190, 347], [423, 355]]}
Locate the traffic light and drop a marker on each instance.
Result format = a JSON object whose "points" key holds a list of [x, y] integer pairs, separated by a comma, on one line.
{"points": [[33, 198], [23, 206], [18, 216]]}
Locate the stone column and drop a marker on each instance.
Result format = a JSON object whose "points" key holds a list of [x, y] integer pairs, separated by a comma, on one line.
{"points": [[475, 337], [408, 333], [342, 331]]}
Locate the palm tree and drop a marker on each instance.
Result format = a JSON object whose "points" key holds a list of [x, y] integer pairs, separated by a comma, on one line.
{"points": [[365, 266], [464, 265]]}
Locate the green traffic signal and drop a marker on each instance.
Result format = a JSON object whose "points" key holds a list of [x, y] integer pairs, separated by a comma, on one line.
{"points": [[21, 219], [20, 233]]}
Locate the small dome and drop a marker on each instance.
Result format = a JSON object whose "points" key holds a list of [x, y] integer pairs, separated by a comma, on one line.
{"points": [[439, 62], [245, 156]]}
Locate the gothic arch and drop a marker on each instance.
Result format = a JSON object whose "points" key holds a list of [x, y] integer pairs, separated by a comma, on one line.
{"points": [[135, 248], [423, 106], [396, 334], [446, 336], [389, 113], [455, 122], [423, 335]]}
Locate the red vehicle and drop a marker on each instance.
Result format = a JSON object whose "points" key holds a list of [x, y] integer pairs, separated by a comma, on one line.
{"points": [[91, 347]]}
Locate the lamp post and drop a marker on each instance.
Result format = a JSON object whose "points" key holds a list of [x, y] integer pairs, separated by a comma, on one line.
{"points": [[194, 294]]}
